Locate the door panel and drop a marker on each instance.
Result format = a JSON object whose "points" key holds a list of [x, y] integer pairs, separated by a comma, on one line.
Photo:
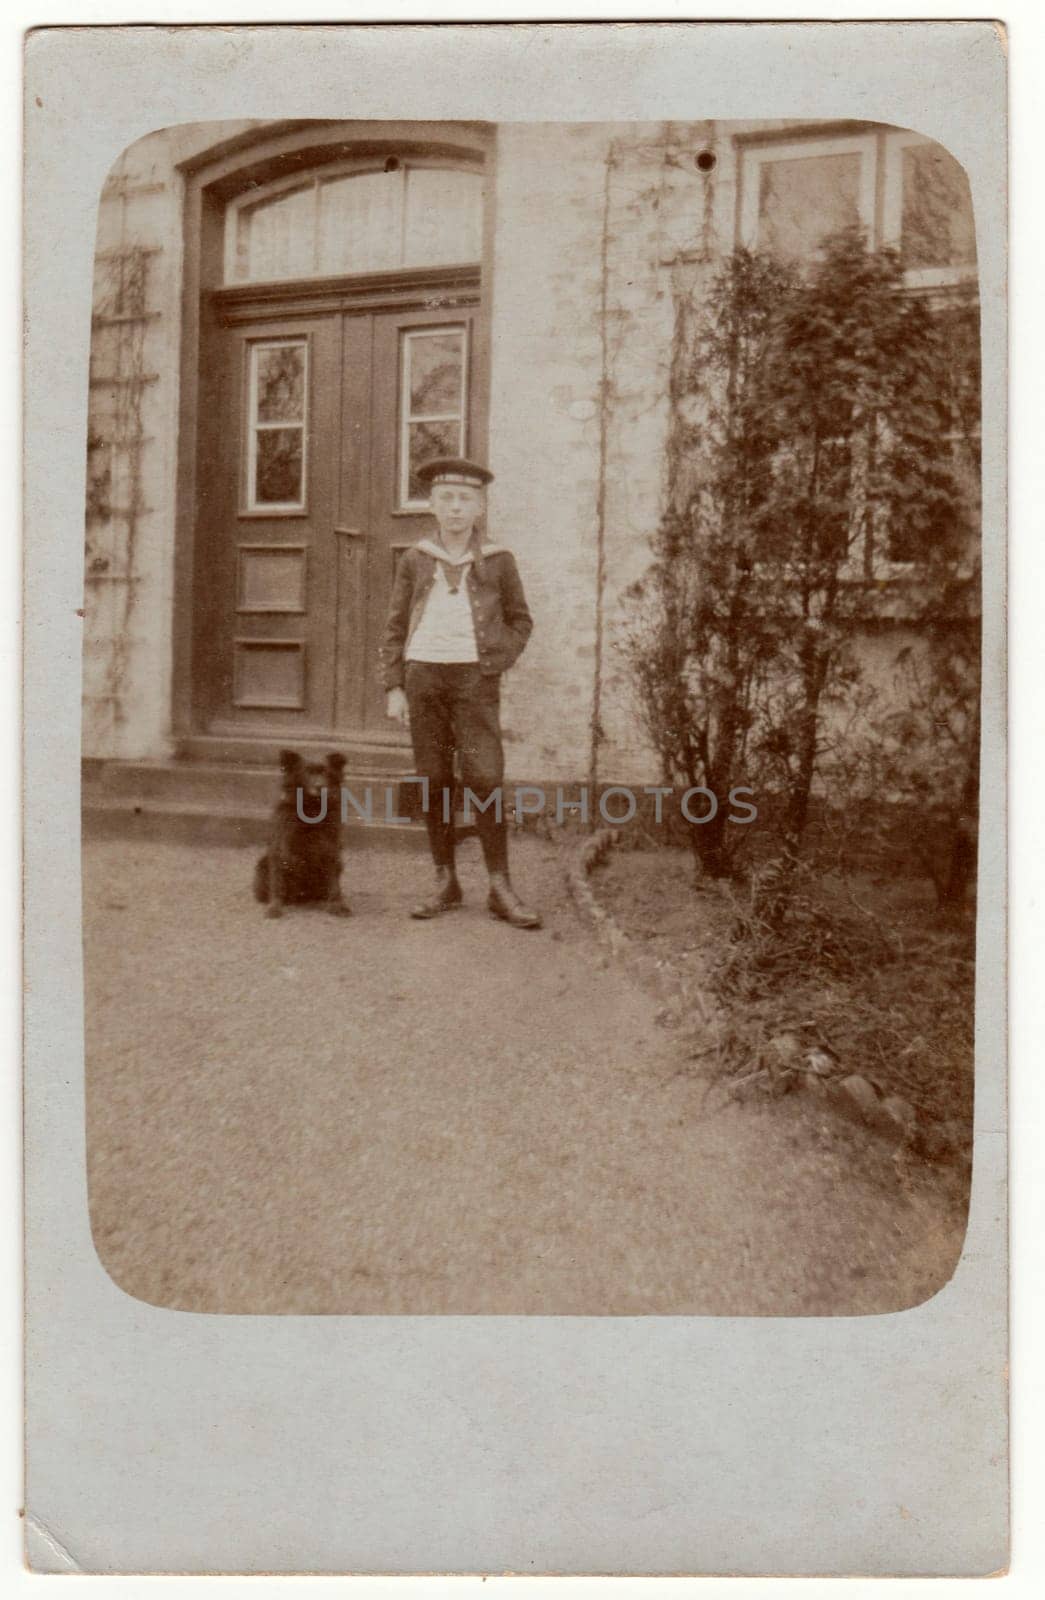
{"points": [[308, 493], [268, 526]]}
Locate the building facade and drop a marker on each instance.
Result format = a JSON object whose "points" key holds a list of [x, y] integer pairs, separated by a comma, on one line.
{"points": [[289, 317]]}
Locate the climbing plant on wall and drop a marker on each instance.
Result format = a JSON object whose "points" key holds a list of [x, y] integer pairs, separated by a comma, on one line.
{"points": [[116, 442]]}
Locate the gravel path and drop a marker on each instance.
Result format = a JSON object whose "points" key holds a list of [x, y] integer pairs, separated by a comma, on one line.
{"points": [[376, 1115]]}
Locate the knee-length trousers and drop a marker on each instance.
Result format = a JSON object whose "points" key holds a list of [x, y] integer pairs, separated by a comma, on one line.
{"points": [[456, 711]]}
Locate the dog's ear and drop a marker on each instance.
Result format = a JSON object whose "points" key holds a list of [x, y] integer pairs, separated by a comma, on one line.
{"points": [[290, 761], [335, 764]]}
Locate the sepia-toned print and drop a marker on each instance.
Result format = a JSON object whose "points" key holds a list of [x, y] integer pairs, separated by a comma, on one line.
{"points": [[531, 720]]}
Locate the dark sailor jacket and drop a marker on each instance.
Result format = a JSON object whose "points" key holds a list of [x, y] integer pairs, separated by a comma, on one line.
{"points": [[500, 615]]}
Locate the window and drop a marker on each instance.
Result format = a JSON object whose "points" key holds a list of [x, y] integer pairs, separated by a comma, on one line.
{"points": [[433, 404], [277, 381], [901, 188], [953, 443], [928, 211], [907, 192], [794, 194], [822, 482], [835, 484], [378, 219]]}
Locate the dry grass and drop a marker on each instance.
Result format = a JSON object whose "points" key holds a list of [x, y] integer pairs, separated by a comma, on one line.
{"points": [[858, 964]]}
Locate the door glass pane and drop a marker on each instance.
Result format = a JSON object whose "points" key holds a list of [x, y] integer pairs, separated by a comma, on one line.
{"points": [[426, 441], [802, 200], [432, 403], [361, 223], [281, 383], [443, 217], [436, 374], [275, 239], [279, 468], [277, 417], [937, 228]]}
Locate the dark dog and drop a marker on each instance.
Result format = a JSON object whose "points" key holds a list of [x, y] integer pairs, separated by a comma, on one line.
{"points": [[302, 864]]}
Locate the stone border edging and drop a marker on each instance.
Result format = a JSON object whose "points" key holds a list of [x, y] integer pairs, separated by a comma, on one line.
{"points": [[581, 862], [853, 1096]]}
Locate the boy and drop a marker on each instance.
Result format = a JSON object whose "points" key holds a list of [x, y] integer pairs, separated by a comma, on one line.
{"points": [[457, 619]]}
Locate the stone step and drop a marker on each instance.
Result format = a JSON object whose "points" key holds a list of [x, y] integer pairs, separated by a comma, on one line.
{"points": [[202, 782], [220, 802], [388, 753], [183, 822]]}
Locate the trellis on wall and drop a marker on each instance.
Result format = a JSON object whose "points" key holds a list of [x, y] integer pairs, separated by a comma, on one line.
{"points": [[116, 443]]}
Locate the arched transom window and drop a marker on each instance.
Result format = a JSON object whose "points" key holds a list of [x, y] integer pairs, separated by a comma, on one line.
{"points": [[392, 214]]}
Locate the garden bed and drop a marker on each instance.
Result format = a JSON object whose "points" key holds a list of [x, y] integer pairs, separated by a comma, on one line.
{"points": [[864, 973]]}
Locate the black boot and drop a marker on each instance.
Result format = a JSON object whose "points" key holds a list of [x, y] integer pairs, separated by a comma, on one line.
{"points": [[503, 902], [446, 897]]}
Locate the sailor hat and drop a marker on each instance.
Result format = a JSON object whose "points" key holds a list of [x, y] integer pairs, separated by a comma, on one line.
{"points": [[453, 469]]}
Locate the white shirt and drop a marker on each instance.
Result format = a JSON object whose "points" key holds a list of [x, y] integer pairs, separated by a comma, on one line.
{"points": [[446, 631]]}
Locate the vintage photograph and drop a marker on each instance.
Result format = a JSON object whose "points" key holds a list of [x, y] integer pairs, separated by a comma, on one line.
{"points": [[531, 718]]}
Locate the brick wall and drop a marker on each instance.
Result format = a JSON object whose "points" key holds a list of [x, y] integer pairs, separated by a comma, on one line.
{"points": [[544, 429], [601, 230]]}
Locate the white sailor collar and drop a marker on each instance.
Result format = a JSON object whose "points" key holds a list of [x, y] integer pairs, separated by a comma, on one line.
{"points": [[432, 548]]}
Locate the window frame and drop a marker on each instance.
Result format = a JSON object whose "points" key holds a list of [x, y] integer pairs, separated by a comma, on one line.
{"points": [[404, 506], [881, 195], [880, 191], [895, 143], [753, 155], [251, 506]]}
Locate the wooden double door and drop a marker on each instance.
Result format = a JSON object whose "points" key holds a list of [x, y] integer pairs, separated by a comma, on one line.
{"points": [[313, 425]]}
